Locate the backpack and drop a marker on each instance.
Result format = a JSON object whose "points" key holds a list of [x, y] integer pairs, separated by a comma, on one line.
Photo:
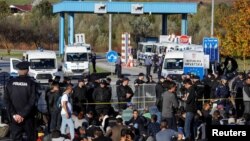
{"points": [[58, 103]]}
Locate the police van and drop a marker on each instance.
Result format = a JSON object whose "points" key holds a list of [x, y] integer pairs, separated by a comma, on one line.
{"points": [[173, 63], [76, 60], [174, 58], [43, 64], [145, 49]]}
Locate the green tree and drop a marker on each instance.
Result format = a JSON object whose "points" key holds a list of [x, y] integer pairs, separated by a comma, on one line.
{"points": [[4, 9], [141, 27], [44, 9]]}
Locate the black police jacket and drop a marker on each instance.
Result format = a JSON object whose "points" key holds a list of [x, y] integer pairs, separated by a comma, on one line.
{"points": [[80, 95], [102, 94], [20, 97], [122, 91]]}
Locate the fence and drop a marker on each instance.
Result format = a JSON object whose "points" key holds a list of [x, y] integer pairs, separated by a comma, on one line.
{"points": [[144, 96]]}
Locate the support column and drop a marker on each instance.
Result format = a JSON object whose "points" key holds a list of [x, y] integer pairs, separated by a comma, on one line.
{"points": [[164, 27], [184, 24], [71, 28], [61, 34], [110, 30]]}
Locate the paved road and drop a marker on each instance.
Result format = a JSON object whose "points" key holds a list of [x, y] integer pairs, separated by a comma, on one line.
{"points": [[131, 72]]}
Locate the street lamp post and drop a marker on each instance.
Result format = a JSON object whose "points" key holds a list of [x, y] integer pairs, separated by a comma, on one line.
{"points": [[110, 30], [212, 19]]}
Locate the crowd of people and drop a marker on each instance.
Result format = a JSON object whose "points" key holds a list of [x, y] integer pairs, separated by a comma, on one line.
{"points": [[84, 112]]}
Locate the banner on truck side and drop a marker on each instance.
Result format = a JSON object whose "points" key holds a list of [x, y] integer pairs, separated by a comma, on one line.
{"points": [[194, 63]]}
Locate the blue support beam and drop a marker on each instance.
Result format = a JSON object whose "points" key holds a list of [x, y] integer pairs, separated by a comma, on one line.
{"points": [[164, 27], [61, 34], [71, 28], [184, 24]]}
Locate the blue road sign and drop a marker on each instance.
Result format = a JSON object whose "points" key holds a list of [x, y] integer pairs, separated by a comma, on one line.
{"points": [[112, 56], [210, 46]]}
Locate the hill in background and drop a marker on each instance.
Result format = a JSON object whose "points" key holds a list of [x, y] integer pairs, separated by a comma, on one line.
{"points": [[21, 2], [206, 1]]}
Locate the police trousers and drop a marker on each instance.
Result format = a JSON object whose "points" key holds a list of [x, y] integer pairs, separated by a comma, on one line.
{"points": [[27, 126]]}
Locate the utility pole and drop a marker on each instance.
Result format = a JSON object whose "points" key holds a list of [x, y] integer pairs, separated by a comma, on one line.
{"points": [[212, 19], [110, 30]]}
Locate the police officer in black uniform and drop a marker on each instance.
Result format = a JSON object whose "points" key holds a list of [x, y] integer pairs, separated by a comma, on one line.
{"points": [[118, 66], [93, 60], [222, 93], [199, 91], [159, 89], [124, 94], [139, 85], [20, 99], [237, 87], [101, 95]]}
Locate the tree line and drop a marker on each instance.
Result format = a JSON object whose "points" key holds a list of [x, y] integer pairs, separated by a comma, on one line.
{"points": [[40, 27]]}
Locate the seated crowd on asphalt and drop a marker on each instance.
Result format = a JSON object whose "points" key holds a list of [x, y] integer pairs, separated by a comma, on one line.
{"points": [[85, 112]]}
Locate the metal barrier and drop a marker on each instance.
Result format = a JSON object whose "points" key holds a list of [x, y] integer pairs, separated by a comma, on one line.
{"points": [[144, 96]]}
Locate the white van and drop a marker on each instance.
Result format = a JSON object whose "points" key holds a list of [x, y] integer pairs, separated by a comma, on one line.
{"points": [[145, 49], [173, 63], [76, 60], [43, 64]]}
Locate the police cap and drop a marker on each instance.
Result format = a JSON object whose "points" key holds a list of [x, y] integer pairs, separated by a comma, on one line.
{"points": [[103, 82], [23, 65], [126, 79], [141, 74]]}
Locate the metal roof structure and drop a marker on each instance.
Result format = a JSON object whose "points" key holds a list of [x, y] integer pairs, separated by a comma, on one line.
{"points": [[133, 8], [125, 7]]}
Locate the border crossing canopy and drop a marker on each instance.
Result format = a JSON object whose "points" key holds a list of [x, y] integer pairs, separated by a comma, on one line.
{"points": [[133, 8]]}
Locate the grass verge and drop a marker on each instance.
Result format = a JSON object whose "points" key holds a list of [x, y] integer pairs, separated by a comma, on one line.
{"points": [[98, 69]]}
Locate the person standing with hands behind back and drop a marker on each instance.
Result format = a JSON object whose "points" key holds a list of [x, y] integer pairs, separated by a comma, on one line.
{"points": [[118, 66], [20, 98], [93, 60]]}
